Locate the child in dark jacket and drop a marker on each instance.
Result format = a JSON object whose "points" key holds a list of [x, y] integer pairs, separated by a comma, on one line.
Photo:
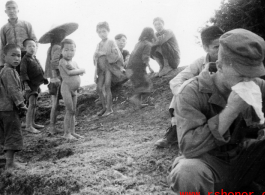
{"points": [[32, 76]]}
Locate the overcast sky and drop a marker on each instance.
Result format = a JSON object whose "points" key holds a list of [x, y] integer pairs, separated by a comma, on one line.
{"points": [[184, 17]]}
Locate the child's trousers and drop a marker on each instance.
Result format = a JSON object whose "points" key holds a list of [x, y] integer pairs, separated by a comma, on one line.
{"points": [[10, 132]]}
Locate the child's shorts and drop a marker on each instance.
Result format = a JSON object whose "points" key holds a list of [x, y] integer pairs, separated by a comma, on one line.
{"points": [[55, 90], [30, 93], [10, 132]]}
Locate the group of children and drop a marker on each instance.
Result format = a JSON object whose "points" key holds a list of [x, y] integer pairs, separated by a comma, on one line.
{"points": [[22, 75]]}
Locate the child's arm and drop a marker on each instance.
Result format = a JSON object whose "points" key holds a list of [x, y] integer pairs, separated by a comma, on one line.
{"points": [[24, 74], [73, 72], [12, 85], [96, 74]]}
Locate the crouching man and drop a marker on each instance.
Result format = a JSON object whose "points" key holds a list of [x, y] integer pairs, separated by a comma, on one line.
{"points": [[212, 122]]}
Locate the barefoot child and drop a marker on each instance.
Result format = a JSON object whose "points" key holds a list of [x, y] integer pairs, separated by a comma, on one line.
{"points": [[54, 36], [11, 101], [32, 76], [136, 69], [69, 72], [108, 60]]}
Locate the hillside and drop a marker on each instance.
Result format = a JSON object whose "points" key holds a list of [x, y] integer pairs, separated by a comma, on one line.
{"points": [[117, 155]]}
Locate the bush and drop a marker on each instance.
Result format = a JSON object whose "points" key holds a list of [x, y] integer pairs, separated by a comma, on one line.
{"points": [[248, 14]]}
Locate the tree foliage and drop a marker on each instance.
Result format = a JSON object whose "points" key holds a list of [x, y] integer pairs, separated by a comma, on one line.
{"points": [[247, 14]]}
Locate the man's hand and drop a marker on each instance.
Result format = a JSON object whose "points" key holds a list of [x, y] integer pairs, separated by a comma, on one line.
{"points": [[235, 103]]}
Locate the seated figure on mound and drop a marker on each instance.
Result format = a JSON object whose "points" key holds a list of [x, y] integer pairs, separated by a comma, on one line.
{"points": [[210, 42], [165, 50], [213, 119]]}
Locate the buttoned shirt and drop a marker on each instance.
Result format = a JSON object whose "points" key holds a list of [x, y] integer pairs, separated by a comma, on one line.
{"points": [[15, 33], [31, 70], [10, 89], [197, 114]]}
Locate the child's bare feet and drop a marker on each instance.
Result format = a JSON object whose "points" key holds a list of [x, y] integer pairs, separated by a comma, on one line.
{"points": [[32, 130], [15, 165], [108, 112], [69, 137], [101, 112], [78, 136], [38, 126]]}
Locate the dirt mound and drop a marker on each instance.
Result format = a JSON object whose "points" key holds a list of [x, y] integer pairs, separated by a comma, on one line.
{"points": [[117, 155]]}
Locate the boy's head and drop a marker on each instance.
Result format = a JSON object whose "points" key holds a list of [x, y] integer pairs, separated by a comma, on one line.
{"points": [[158, 24], [68, 48], [11, 9], [210, 41], [121, 40], [30, 45], [12, 54], [103, 30]]}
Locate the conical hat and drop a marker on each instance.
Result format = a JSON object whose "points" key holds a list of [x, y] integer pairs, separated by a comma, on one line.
{"points": [[69, 28]]}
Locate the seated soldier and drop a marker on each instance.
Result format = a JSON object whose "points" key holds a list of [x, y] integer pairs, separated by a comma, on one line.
{"points": [[212, 121], [210, 42]]}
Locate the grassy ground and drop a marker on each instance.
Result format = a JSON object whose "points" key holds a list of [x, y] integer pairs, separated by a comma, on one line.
{"points": [[116, 157]]}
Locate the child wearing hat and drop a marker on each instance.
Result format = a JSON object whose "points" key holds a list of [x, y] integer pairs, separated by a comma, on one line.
{"points": [[15, 31], [32, 76], [69, 72], [11, 102], [108, 60], [54, 37]]}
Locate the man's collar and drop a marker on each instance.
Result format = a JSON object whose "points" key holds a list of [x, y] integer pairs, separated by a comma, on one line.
{"points": [[206, 85], [13, 22]]}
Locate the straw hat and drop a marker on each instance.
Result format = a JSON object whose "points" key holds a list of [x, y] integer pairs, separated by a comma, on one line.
{"points": [[69, 28]]}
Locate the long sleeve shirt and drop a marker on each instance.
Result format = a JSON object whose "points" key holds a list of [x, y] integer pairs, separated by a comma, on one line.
{"points": [[15, 33], [52, 61], [199, 105], [31, 70], [189, 72], [10, 89]]}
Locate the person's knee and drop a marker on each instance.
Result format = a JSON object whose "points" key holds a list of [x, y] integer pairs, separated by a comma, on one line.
{"points": [[187, 174]]}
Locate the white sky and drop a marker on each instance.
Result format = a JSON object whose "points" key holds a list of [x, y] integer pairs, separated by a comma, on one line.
{"points": [[184, 17]]}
